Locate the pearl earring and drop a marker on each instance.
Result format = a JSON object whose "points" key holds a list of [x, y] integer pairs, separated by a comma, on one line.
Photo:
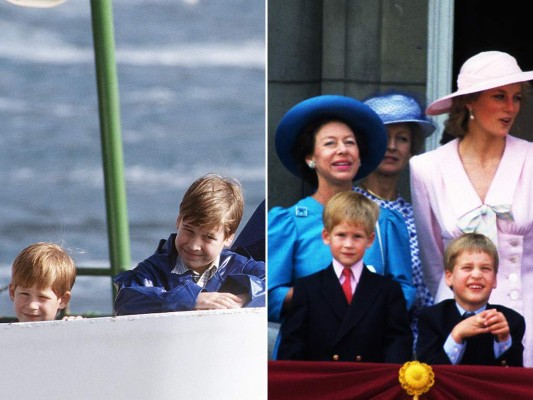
{"points": [[312, 164], [471, 115]]}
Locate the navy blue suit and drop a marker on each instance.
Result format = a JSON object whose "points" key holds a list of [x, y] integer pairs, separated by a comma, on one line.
{"points": [[322, 326], [436, 323]]}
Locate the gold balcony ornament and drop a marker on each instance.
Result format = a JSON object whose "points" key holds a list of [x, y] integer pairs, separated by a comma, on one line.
{"points": [[416, 378], [36, 3]]}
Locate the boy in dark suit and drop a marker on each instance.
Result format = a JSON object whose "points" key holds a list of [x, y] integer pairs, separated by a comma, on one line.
{"points": [[467, 329], [346, 312]]}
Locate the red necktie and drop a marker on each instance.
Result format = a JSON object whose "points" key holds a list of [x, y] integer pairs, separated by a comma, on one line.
{"points": [[347, 284]]}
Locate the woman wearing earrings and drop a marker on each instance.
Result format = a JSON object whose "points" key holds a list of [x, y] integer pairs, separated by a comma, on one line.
{"points": [[329, 141], [480, 182]]}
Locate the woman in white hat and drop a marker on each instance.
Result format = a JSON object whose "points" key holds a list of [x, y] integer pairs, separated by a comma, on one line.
{"points": [[480, 182], [329, 141], [407, 128]]}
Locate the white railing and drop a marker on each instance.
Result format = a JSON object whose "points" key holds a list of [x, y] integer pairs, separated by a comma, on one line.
{"points": [[184, 355]]}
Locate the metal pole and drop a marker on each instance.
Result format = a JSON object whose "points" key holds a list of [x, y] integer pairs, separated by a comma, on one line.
{"points": [[109, 111]]}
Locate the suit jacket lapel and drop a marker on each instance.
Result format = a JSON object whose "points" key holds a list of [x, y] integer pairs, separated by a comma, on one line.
{"points": [[332, 293], [455, 317], [362, 301]]}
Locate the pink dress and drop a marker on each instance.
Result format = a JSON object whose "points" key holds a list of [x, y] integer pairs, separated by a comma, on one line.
{"points": [[446, 204]]}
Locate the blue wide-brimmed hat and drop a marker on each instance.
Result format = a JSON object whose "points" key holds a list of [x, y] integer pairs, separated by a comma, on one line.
{"points": [[394, 108], [358, 116]]}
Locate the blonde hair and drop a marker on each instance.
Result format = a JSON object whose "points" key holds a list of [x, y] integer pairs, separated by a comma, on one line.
{"points": [[351, 207], [44, 265], [212, 201], [470, 242]]}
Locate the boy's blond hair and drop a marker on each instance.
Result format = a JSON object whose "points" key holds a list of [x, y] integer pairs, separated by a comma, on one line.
{"points": [[351, 207], [212, 201], [45, 265], [470, 242]]}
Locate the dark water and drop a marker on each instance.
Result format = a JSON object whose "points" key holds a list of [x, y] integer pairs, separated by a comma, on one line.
{"points": [[191, 81]]}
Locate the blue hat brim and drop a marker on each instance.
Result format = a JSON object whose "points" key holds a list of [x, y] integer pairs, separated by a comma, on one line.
{"points": [[357, 115], [426, 127]]}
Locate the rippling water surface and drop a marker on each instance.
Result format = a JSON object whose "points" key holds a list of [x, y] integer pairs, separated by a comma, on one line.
{"points": [[191, 81]]}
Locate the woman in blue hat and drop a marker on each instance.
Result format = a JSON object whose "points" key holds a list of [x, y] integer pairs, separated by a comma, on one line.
{"points": [[407, 128], [329, 141]]}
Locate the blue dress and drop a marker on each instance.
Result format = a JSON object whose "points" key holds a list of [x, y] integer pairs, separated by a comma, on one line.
{"points": [[296, 249]]}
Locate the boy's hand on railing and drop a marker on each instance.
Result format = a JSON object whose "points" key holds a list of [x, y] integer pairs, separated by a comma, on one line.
{"points": [[215, 300], [71, 317]]}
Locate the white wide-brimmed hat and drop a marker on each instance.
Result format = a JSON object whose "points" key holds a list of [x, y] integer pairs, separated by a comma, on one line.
{"points": [[486, 70]]}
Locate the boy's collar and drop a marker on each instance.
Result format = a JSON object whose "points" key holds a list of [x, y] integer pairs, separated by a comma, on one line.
{"points": [[462, 310], [180, 267], [357, 268]]}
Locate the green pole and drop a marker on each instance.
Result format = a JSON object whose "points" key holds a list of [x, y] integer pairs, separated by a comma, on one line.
{"points": [[109, 111]]}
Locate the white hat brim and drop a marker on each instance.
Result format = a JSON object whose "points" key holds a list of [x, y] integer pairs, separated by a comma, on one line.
{"points": [[442, 105]]}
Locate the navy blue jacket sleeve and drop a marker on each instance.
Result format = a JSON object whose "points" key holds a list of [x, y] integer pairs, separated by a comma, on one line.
{"points": [[237, 275], [137, 295], [152, 287]]}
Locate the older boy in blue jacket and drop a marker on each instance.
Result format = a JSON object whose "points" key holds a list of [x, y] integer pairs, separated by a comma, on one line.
{"points": [[192, 270]]}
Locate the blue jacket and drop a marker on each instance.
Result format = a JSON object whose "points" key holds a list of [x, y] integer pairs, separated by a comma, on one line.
{"points": [[151, 287]]}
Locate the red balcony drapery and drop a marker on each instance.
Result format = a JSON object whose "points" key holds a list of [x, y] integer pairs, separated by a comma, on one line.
{"points": [[294, 380]]}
